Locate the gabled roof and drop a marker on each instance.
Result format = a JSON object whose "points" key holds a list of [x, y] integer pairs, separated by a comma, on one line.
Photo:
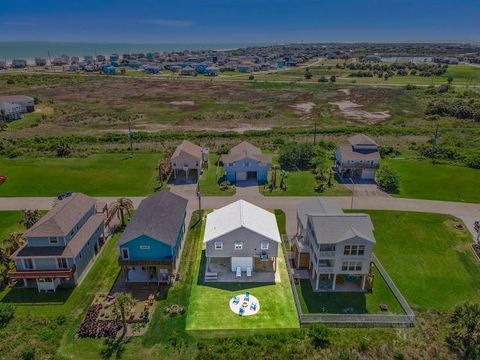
{"points": [[349, 153], [64, 215], [159, 217], [189, 148], [246, 150], [335, 228], [316, 206], [361, 139], [241, 214]]}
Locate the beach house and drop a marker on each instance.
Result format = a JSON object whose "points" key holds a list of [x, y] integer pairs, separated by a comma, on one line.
{"points": [[246, 161], [359, 160]]}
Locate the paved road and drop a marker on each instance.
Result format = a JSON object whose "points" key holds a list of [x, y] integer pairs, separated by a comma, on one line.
{"points": [[465, 211]]}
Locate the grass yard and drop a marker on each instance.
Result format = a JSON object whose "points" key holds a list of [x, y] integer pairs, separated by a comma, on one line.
{"points": [[428, 259], [96, 175], [423, 180], [9, 222], [211, 180], [303, 183], [340, 302], [209, 303]]}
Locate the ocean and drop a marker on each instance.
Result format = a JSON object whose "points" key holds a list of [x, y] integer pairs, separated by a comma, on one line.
{"points": [[29, 49]]}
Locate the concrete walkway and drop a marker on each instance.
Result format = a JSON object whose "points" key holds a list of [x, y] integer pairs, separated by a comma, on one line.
{"points": [[466, 211]]}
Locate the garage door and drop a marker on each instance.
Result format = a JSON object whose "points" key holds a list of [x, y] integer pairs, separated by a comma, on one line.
{"points": [[243, 262], [241, 176], [368, 174]]}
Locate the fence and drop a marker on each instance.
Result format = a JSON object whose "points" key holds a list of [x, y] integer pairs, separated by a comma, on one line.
{"points": [[355, 320]]}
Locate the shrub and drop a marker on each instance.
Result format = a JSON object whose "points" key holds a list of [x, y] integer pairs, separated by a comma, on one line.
{"points": [[464, 335], [398, 355], [28, 354], [388, 179], [297, 156], [6, 313], [320, 336], [473, 161]]}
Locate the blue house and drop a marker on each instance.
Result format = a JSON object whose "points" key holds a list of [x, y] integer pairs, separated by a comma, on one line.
{"points": [[151, 243], [200, 68], [61, 246], [212, 71], [108, 69], [151, 70], [246, 161]]}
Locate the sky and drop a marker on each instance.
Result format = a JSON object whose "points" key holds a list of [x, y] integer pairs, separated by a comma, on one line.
{"points": [[246, 21]]}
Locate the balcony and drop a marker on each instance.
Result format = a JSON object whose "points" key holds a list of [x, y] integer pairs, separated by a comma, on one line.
{"points": [[42, 274], [327, 254]]}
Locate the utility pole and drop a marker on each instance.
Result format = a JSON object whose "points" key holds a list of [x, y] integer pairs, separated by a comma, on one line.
{"points": [[434, 144], [130, 140], [353, 193], [315, 133]]}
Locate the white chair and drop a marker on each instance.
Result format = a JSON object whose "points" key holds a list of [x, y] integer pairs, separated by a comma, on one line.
{"points": [[239, 271], [249, 271]]}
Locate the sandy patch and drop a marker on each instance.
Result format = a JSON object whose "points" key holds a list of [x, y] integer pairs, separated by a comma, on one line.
{"points": [[353, 111], [345, 91], [183, 103], [305, 108]]}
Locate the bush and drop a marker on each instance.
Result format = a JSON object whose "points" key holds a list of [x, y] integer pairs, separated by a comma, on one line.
{"points": [[464, 336], [473, 161], [320, 336], [388, 179], [6, 313], [297, 156], [28, 354]]}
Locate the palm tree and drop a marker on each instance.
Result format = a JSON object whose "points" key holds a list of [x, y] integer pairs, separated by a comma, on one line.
{"points": [[123, 303], [120, 206], [14, 241], [29, 218]]}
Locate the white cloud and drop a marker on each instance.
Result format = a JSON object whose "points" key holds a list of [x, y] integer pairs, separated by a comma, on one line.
{"points": [[169, 22]]}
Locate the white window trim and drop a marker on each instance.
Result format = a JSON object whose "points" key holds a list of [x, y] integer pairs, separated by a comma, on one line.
{"points": [[238, 245], [66, 262], [33, 264], [128, 253], [220, 243], [262, 247]]}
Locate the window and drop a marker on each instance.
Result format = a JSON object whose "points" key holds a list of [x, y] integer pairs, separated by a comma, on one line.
{"points": [[354, 250], [218, 245], [327, 247], [264, 245], [238, 245], [125, 254], [28, 264], [62, 263], [361, 250], [144, 247], [352, 266], [53, 240]]}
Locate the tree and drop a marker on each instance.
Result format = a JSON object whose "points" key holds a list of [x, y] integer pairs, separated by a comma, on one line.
{"points": [[120, 206], [464, 335], [322, 79], [29, 218], [297, 156], [14, 241], [333, 78], [388, 179], [64, 150], [283, 176], [123, 303], [6, 313], [450, 80], [3, 125], [308, 74]]}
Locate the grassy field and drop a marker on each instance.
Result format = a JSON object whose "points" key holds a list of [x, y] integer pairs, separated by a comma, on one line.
{"points": [[423, 180], [9, 222], [428, 259], [303, 183], [339, 302], [209, 302], [212, 178], [96, 175]]}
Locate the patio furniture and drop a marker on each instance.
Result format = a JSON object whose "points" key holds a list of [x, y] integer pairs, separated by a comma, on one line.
{"points": [[247, 296], [236, 300], [239, 272], [249, 272], [241, 311], [253, 306]]}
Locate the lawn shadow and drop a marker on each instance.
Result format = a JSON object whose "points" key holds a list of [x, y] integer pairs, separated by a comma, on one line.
{"points": [[332, 302], [31, 296], [230, 286]]}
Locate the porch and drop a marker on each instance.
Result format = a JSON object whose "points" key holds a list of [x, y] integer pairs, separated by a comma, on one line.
{"points": [[219, 270], [340, 282]]}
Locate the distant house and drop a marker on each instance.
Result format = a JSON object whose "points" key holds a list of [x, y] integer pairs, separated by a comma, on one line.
{"points": [[245, 68], [10, 111], [188, 71], [373, 58], [151, 70], [100, 58], [19, 63], [40, 61], [61, 246], [188, 158], [151, 243], [212, 71], [109, 69], [26, 103], [3, 65], [242, 239], [246, 161], [360, 159], [335, 247]]}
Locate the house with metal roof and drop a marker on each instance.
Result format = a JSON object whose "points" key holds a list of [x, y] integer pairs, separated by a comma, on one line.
{"points": [[246, 161], [359, 160], [61, 246], [188, 160], [331, 248], [241, 244], [151, 243]]}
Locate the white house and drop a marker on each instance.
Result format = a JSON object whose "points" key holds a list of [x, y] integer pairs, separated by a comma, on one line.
{"points": [[358, 160], [188, 158]]}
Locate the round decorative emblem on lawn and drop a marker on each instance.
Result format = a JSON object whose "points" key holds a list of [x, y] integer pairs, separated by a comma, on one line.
{"points": [[244, 305]]}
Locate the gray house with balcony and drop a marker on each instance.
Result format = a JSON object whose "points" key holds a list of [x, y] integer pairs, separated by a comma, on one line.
{"points": [[359, 160], [335, 248], [61, 246]]}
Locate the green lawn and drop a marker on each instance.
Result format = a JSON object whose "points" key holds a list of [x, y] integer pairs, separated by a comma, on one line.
{"points": [[96, 175], [423, 180], [209, 302], [428, 259], [342, 302], [303, 183], [213, 177], [9, 222]]}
